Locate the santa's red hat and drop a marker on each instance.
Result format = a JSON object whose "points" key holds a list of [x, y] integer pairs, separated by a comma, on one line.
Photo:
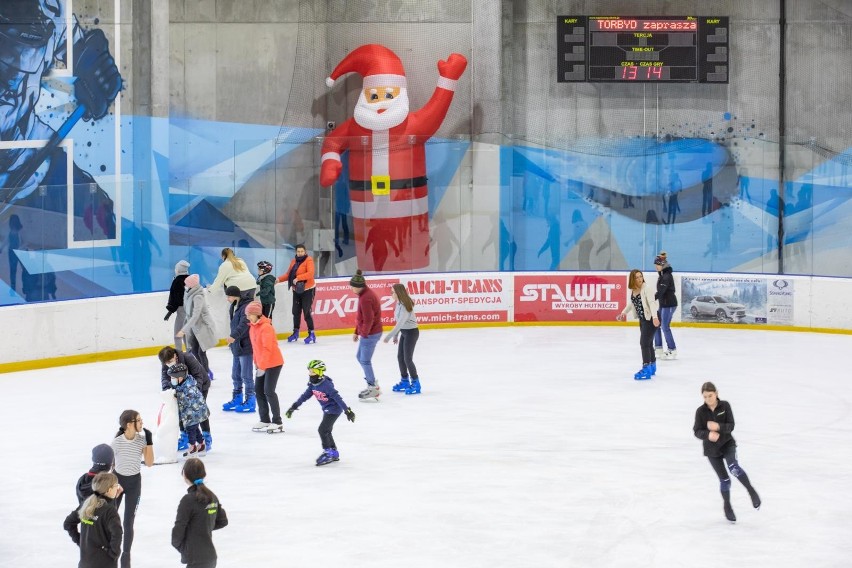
{"points": [[377, 64]]}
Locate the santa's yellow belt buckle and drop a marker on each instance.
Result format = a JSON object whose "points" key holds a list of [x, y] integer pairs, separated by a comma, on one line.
{"points": [[380, 185]]}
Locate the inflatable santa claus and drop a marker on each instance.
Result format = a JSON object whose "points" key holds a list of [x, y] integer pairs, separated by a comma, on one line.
{"points": [[387, 157]]}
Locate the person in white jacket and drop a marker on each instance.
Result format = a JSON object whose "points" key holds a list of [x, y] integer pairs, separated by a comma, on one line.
{"points": [[234, 272], [640, 301]]}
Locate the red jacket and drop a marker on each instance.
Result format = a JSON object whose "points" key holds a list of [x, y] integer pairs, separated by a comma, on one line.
{"points": [[264, 344], [305, 272], [369, 319]]}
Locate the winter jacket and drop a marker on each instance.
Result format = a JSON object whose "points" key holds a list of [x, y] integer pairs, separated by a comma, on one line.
{"points": [[199, 321], [192, 534], [240, 328], [326, 395], [404, 320], [227, 276], [666, 295], [176, 293], [99, 539], [305, 272], [264, 344], [192, 408], [369, 319], [194, 368], [649, 304], [725, 417], [266, 283]]}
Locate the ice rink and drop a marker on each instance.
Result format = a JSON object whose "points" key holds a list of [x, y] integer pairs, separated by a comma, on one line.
{"points": [[529, 447]]}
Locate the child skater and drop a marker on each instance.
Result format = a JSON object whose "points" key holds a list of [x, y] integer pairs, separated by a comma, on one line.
{"points": [[191, 408], [406, 327], [266, 285], [320, 386], [199, 514], [99, 538], [714, 422], [102, 458], [269, 362]]}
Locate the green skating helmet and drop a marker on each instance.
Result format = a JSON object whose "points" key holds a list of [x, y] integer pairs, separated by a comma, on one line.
{"points": [[317, 366]]}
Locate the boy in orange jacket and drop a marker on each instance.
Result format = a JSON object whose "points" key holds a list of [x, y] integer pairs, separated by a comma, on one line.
{"points": [[269, 362]]}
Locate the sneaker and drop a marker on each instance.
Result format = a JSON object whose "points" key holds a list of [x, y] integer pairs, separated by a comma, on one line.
{"points": [[274, 428], [670, 354], [402, 385], [372, 391], [414, 388], [260, 426], [293, 337]]}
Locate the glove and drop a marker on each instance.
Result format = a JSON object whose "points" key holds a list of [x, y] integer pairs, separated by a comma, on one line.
{"points": [[453, 67], [149, 438], [350, 416], [259, 373], [290, 411], [98, 81], [330, 171], [168, 315]]}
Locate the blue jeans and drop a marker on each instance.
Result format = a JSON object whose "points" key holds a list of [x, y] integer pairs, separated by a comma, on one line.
{"points": [[366, 346], [242, 373], [665, 328]]}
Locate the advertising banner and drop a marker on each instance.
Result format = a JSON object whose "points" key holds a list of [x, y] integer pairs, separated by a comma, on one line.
{"points": [[569, 297], [450, 298], [737, 299]]}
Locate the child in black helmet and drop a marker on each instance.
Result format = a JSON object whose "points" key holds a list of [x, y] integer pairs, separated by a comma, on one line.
{"points": [[266, 283], [321, 387]]}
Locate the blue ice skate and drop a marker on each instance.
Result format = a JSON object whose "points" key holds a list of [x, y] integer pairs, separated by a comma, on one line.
{"points": [[402, 385], [328, 455], [293, 336], [643, 374], [208, 440], [234, 402], [248, 405], [183, 442], [311, 338], [653, 367], [414, 388]]}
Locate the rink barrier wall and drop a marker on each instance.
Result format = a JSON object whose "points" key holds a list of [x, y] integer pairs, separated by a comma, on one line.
{"points": [[118, 327]]}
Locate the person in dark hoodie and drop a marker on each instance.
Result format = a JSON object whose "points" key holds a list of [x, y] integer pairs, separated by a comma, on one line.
{"points": [[667, 300], [714, 423], [102, 459], [266, 286], [170, 356], [321, 387], [100, 537], [199, 514], [242, 370], [175, 303]]}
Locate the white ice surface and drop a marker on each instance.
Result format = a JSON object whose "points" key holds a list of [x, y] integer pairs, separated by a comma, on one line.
{"points": [[529, 447]]}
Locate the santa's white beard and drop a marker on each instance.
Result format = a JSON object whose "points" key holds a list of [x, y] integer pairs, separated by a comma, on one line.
{"points": [[396, 110]]}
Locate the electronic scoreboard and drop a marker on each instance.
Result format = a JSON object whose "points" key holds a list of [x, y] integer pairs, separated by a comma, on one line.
{"points": [[646, 49]]}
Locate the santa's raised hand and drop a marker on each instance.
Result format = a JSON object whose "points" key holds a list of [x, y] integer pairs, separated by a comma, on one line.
{"points": [[453, 67]]}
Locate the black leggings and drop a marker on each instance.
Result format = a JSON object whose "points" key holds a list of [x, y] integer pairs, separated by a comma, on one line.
{"points": [[132, 490], [199, 354], [264, 388], [325, 428], [302, 304], [646, 340], [405, 352], [730, 457], [267, 309]]}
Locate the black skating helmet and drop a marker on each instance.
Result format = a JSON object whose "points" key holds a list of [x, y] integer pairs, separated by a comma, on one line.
{"points": [[264, 266]]}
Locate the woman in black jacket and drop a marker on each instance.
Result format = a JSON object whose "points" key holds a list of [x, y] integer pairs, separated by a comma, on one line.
{"points": [[714, 422], [100, 537], [175, 304], [667, 299], [199, 514]]}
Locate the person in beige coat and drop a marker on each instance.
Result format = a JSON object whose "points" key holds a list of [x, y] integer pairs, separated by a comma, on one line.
{"points": [[640, 301]]}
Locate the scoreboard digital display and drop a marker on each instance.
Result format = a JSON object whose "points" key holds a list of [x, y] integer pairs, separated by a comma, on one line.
{"points": [[643, 49]]}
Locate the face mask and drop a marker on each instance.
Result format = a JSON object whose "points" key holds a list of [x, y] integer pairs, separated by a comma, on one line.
{"points": [[315, 380], [174, 382]]}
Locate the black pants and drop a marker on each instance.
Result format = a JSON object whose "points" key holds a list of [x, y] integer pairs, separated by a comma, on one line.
{"points": [[325, 428], [199, 354], [646, 340], [132, 492], [264, 388], [302, 303], [205, 426], [405, 352], [267, 309]]}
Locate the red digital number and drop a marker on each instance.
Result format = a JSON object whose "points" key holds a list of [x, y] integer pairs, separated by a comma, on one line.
{"points": [[629, 73], [655, 72]]}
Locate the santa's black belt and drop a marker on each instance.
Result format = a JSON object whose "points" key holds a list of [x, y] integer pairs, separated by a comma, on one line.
{"points": [[379, 183]]}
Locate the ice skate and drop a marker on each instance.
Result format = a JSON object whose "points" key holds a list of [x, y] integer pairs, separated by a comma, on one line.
{"points": [[293, 337], [659, 352], [248, 405], [729, 513], [311, 338], [643, 374], [414, 388], [183, 442], [755, 498], [402, 385], [328, 456], [208, 440], [670, 354], [260, 427], [652, 368], [275, 428], [371, 393], [234, 402]]}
